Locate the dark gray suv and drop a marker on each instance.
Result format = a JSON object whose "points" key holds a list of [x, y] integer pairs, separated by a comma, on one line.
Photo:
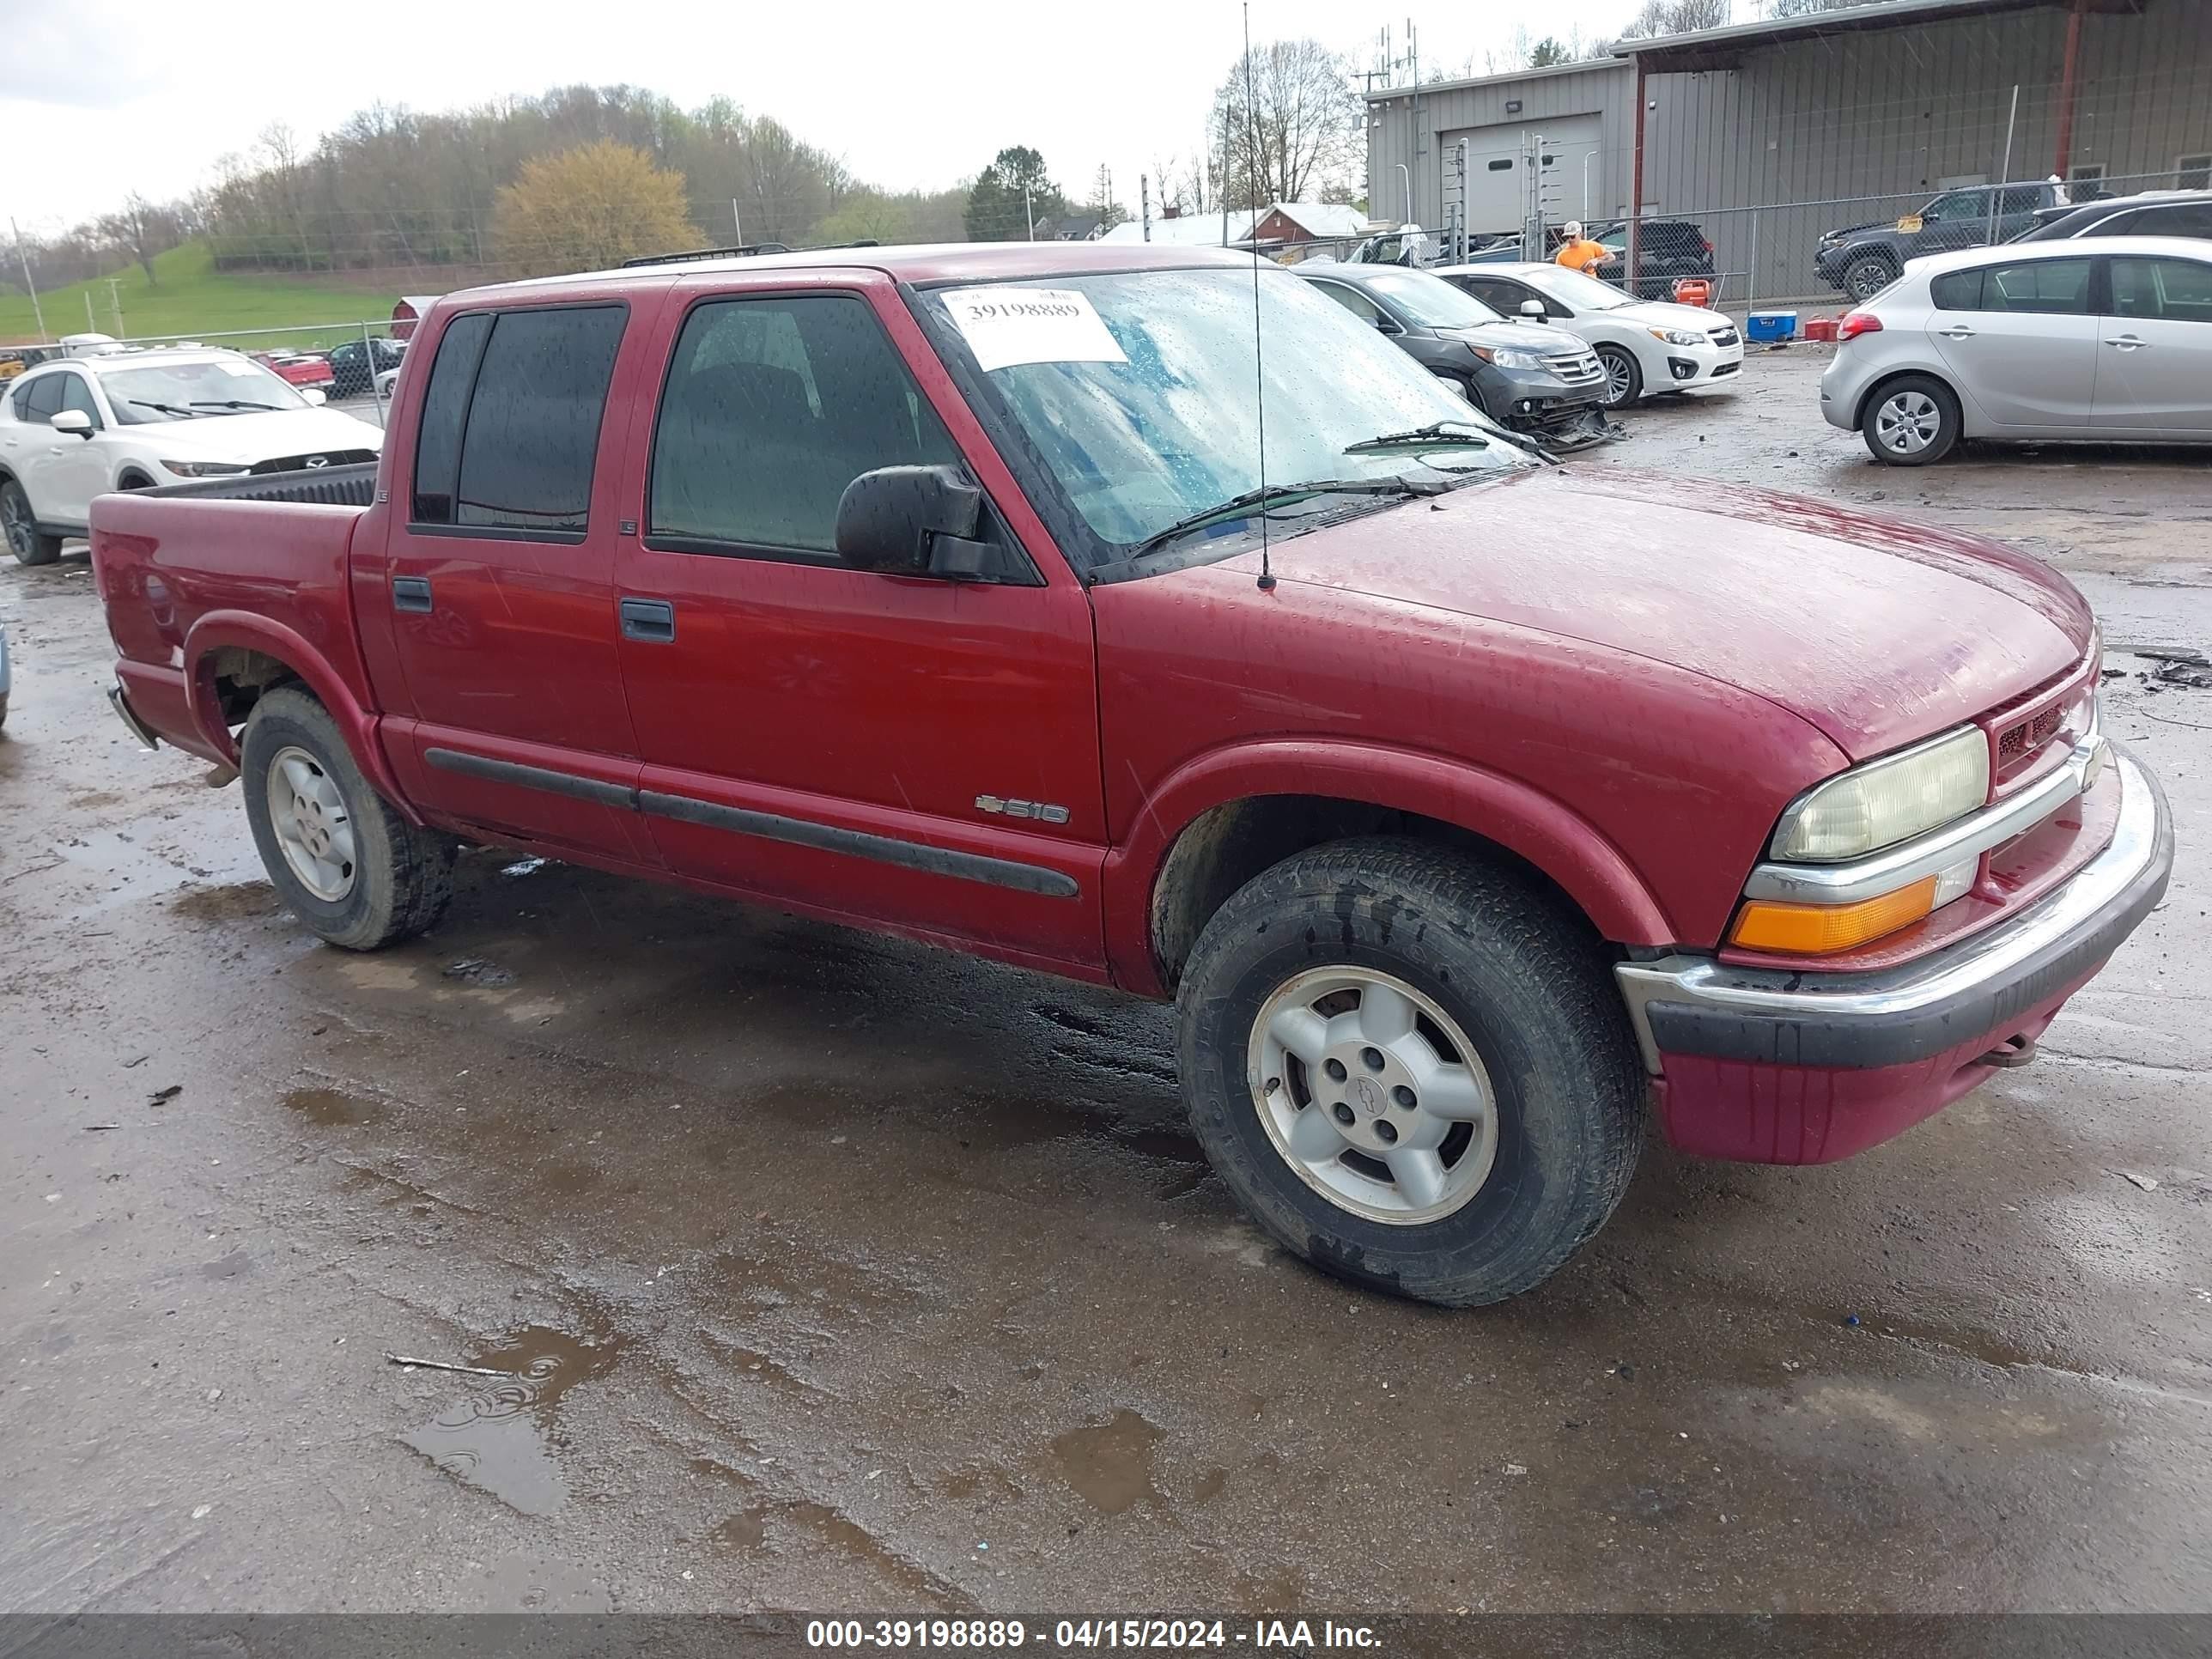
{"points": [[2153, 213], [1533, 379]]}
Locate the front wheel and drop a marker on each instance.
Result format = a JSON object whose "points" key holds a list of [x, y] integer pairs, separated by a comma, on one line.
{"points": [[1624, 376], [1912, 422], [1412, 1069], [1867, 275], [341, 860]]}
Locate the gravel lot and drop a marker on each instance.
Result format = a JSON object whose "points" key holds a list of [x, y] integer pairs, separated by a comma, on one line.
{"points": [[844, 1274]]}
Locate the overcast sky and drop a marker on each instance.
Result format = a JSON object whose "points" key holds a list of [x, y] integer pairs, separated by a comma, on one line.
{"points": [[103, 97]]}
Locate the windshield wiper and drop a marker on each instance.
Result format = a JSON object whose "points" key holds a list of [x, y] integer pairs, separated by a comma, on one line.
{"points": [[166, 409], [1438, 430], [1272, 494], [229, 402]]}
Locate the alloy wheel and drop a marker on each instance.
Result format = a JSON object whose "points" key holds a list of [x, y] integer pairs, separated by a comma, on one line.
{"points": [[312, 823]]}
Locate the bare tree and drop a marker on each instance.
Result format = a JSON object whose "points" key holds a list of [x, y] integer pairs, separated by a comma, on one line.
{"points": [[132, 230], [1288, 120], [1659, 18]]}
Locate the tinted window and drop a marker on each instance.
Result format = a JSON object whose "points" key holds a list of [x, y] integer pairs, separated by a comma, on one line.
{"points": [[772, 407], [2118, 224], [2021, 199], [2040, 285], [19, 399], [77, 394], [2171, 290], [1959, 205], [46, 397], [533, 426], [2182, 219], [445, 409], [1957, 290], [1356, 303]]}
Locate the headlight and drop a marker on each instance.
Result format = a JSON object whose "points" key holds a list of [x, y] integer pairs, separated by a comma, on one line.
{"points": [[1509, 357], [202, 469], [1886, 801], [1676, 337]]}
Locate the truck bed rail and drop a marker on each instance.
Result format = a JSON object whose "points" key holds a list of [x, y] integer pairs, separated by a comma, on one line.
{"points": [[327, 486]]}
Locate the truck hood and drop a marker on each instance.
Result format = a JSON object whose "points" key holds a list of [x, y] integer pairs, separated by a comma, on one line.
{"points": [[1876, 631], [246, 439]]}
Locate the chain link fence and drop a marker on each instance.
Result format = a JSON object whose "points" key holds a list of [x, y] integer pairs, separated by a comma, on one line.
{"points": [[352, 364]]}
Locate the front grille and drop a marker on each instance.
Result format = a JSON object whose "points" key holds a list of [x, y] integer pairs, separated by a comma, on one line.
{"points": [[319, 460], [2023, 738], [1578, 368], [1720, 369], [1723, 337]]}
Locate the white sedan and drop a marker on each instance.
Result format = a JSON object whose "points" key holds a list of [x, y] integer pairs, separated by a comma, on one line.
{"points": [[1647, 346], [79, 427]]}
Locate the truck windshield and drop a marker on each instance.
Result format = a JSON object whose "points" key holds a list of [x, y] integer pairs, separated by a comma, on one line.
{"points": [[202, 388], [1136, 393]]}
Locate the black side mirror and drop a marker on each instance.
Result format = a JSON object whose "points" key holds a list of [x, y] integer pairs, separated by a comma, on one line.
{"points": [[912, 521]]}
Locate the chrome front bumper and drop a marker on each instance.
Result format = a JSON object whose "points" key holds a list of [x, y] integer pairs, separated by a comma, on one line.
{"points": [[1690, 1005], [137, 728]]}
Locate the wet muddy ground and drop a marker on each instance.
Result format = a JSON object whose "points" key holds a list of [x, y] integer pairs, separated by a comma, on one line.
{"points": [[799, 1268]]}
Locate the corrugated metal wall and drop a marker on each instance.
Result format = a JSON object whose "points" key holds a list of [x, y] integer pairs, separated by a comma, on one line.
{"points": [[1859, 125]]}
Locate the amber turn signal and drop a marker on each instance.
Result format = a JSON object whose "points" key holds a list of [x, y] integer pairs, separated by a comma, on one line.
{"points": [[1820, 930]]}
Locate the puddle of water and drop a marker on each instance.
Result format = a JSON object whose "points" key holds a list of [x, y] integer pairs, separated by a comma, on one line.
{"points": [[334, 1108], [1110, 1464], [742, 1531], [496, 1439]]}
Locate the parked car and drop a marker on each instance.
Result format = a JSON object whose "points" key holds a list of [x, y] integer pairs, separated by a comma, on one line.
{"points": [[2102, 340], [1467, 806], [15, 359], [1861, 260], [72, 429], [1645, 346], [355, 364], [298, 368], [1525, 378], [1667, 251], [2152, 213]]}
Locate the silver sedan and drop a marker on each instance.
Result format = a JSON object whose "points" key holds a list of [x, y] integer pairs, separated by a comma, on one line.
{"points": [[2108, 341]]}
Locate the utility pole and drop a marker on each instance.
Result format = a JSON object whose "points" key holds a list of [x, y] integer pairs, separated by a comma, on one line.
{"points": [[115, 302], [37, 311], [1144, 197], [736, 223], [91, 322], [1029, 213]]}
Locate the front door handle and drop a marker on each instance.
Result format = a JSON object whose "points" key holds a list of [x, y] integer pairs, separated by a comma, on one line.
{"points": [[652, 620], [2128, 343], [410, 593]]}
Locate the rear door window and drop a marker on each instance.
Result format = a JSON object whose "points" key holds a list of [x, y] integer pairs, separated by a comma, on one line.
{"points": [[2166, 290], [772, 407], [2056, 287], [510, 430], [2180, 219]]}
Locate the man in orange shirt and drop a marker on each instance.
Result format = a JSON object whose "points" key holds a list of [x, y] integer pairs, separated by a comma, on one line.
{"points": [[1577, 251]]}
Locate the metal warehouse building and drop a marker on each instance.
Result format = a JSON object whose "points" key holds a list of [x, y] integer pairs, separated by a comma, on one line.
{"points": [[1767, 133]]}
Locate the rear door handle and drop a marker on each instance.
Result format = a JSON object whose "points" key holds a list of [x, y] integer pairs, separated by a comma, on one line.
{"points": [[410, 593], [1961, 333], [652, 620]]}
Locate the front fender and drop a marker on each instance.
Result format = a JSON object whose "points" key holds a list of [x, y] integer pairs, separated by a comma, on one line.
{"points": [[1565, 846], [243, 630]]}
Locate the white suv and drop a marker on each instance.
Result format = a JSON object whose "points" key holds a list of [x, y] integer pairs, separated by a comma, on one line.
{"points": [[130, 420]]}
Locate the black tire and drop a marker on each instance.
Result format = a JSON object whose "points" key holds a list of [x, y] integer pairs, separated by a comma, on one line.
{"points": [[1868, 275], [1619, 360], [1888, 430], [30, 545], [402, 877], [134, 481], [1525, 978]]}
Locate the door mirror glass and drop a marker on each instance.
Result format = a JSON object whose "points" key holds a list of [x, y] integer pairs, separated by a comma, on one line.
{"points": [[911, 521], [71, 420]]}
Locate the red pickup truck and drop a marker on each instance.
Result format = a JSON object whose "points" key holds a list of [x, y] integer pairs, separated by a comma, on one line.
{"points": [[1470, 807]]}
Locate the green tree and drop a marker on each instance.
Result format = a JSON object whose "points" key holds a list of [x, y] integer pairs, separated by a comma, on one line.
{"points": [[1010, 193], [589, 208], [1547, 53]]}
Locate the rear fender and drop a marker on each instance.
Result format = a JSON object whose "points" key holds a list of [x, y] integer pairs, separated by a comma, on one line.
{"points": [[243, 630]]}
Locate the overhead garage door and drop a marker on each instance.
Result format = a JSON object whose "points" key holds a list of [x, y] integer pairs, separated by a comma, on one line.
{"points": [[1496, 186]]}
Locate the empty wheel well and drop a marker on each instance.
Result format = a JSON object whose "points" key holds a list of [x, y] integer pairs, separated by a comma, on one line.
{"points": [[1224, 847], [240, 677]]}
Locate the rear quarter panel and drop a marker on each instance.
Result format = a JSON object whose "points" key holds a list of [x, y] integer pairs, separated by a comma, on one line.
{"points": [[180, 578]]}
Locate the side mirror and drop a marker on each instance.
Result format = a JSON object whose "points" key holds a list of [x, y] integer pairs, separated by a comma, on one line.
{"points": [[313, 396], [71, 420], [1384, 325], [1533, 308], [911, 521]]}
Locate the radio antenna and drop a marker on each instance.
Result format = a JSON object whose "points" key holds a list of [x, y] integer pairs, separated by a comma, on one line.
{"points": [[1259, 373]]}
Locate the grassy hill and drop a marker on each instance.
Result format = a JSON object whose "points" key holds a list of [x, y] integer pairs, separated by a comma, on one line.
{"points": [[193, 297]]}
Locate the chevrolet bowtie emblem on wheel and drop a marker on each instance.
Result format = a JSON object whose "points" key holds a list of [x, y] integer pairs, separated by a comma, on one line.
{"points": [[1042, 812], [317, 460]]}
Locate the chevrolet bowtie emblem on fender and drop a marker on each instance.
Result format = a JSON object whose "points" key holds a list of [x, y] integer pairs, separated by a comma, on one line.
{"points": [[1042, 811]]}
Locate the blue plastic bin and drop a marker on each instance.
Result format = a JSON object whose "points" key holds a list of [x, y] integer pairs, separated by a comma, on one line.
{"points": [[1766, 326]]}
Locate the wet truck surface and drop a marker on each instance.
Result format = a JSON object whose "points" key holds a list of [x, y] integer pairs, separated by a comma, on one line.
{"points": [[949, 593]]}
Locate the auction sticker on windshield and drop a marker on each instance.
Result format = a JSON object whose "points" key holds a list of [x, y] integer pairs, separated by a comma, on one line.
{"points": [[1007, 326]]}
